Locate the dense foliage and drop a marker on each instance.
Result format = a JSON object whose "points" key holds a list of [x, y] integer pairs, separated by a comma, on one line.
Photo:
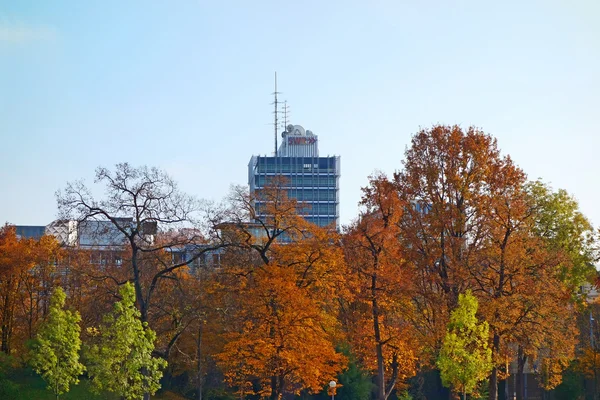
{"points": [[465, 358], [55, 351], [121, 360], [457, 261]]}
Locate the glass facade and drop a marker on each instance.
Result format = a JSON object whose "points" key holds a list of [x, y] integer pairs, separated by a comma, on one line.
{"points": [[313, 181]]}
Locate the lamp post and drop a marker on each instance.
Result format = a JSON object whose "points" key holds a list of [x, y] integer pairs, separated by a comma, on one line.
{"points": [[593, 346], [332, 386]]}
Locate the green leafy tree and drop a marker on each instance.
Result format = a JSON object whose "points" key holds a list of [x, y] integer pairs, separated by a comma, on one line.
{"points": [[9, 390], [565, 229], [121, 361], [355, 383], [55, 351], [465, 358]]}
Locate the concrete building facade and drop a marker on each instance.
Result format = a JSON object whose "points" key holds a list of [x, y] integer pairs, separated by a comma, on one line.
{"points": [[312, 180]]}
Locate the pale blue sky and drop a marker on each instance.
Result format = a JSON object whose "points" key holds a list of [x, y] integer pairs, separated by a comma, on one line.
{"points": [[185, 86]]}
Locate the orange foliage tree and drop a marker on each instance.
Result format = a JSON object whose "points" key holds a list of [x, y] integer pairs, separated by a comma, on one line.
{"points": [[37, 282], [471, 226], [91, 279], [192, 324], [15, 258], [281, 327], [27, 276], [379, 311], [527, 306], [445, 180]]}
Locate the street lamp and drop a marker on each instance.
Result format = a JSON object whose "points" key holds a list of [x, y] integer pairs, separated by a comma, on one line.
{"points": [[332, 386]]}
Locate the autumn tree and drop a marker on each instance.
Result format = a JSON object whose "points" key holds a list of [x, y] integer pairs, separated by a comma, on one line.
{"points": [[15, 257], [121, 361], [37, 282], [465, 358], [450, 177], [197, 315], [446, 180], [256, 221], [156, 227], [283, 341], [55, 352], [27, 276], [567, 235], [92, 285], [506, 269], [144, 206], [530, 306], [471, 226], [545, 333], [280, 279], [378, 312], [588, 357]]}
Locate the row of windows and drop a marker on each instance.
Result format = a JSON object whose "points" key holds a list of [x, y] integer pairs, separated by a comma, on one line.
{"points": [[105, 258], [308, 194], [299, 169], [300, 181], [306, 209], [321, 221], [208, 260], [319, 209], [313, 195], [296, 164]]}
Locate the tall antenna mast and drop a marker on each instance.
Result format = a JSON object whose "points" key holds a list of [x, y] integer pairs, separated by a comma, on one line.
{"points": [[275, 93], [286, 112]]}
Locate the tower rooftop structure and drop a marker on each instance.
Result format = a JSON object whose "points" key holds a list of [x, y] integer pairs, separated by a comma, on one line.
{"points": [[298, 142], [312, 180]]}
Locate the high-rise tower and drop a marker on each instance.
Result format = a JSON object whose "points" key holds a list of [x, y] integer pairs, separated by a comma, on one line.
{"points": [[312, 180]]}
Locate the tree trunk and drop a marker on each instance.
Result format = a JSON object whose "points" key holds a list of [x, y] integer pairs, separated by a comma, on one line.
{"points": [[200, 376], [380, 379], [595, 374], [141, 303], [7, 316], [274, 395], [493, 385], [30, 315], [281, 387], [139, 295], [506, 386], [145, 373], [200, 387], [275, 385], [521, 359]]}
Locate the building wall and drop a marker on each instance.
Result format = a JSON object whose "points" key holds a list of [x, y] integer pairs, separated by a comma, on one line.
{"points": [[29, 231], [313, 181]]}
